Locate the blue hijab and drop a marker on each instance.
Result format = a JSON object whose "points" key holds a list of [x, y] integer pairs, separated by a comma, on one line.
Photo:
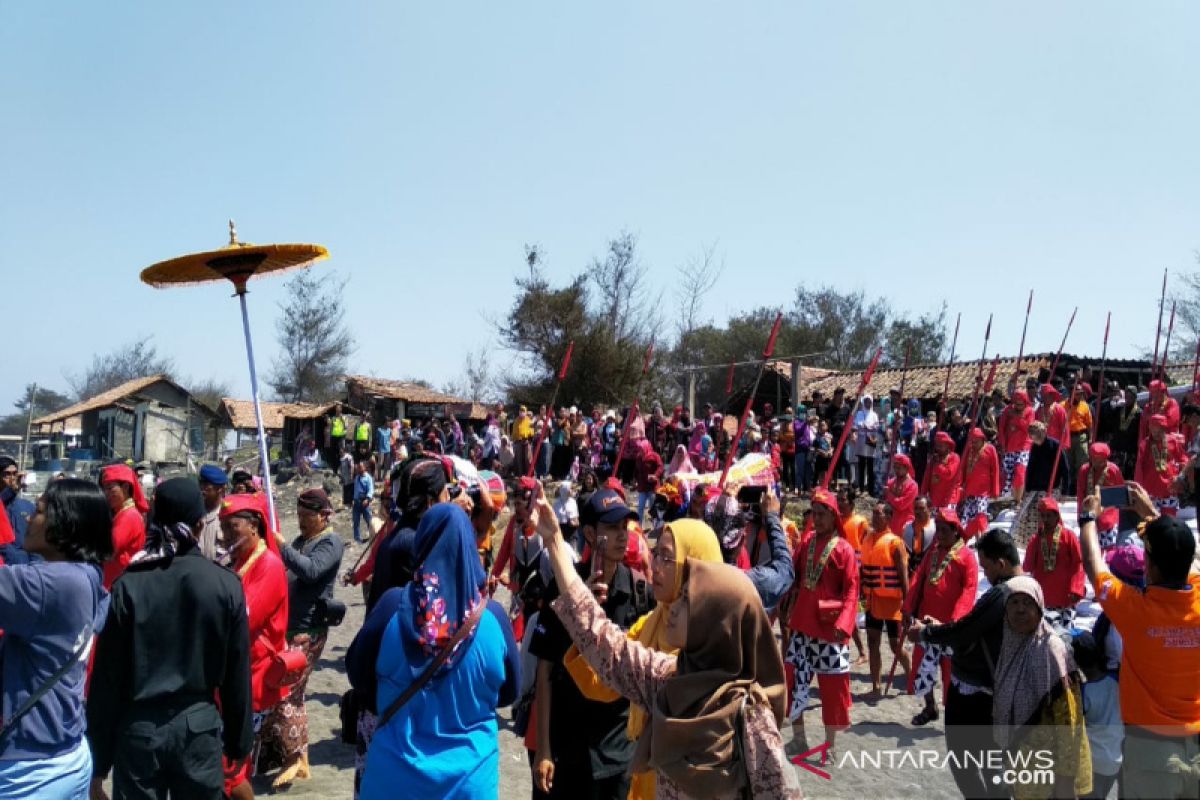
{"points": [[444, 591]]}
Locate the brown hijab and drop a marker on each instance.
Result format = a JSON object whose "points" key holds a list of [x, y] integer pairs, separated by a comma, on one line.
{"points": [[731, 658]]}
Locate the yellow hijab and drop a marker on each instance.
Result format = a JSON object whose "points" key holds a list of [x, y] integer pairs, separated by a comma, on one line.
{"points": [[693, 539]]}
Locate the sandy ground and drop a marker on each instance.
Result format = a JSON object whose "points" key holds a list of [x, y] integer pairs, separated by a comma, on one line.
{"points": [[882, 725]]}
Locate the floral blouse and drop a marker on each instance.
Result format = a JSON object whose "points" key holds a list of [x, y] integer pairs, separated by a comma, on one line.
{"points": [[638, 673]]}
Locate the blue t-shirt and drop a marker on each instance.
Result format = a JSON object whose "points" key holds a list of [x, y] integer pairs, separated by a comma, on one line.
{"points": [[45, 610], [364, 487], [442, 743]]}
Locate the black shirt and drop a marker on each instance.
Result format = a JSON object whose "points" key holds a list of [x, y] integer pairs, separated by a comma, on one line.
{"points": [[1041, 462], [176, 630], [585, 734], [975, 639]]}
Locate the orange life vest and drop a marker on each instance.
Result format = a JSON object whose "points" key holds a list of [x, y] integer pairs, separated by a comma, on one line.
{"points": [[881, 580]]}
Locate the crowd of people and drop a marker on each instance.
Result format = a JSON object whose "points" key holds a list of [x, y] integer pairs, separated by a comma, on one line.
{"points": [[662, 632]]}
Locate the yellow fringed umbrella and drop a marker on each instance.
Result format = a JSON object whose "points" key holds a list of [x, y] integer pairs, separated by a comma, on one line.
{"points": [[237, 263]]}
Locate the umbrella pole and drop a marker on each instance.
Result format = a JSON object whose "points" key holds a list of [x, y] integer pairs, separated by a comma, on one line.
{"points": [[263, 455]]}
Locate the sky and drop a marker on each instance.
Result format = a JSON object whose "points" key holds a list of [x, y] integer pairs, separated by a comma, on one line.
{"points": [[929, 152]]}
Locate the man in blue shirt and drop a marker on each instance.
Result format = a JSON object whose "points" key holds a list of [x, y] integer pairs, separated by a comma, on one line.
{"points": [[19, 509], [364, 493]]}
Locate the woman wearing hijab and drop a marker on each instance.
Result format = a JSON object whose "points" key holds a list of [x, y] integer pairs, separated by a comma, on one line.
{"points": [[679, 463], [866, 440], [680, 540], [491, 442], [714, 709], [49, 610], [442, 741], [567, 510], [247, 537], [1036, 703]]}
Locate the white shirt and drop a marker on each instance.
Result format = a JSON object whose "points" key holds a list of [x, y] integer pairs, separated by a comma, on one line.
{"points": [[1105, 732]]}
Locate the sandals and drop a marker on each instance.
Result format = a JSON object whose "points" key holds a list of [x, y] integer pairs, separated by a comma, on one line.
{"points": [[925, 717]]}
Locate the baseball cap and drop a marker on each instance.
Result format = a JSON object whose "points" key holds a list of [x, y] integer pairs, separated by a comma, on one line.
{"points": [[607, 507]]}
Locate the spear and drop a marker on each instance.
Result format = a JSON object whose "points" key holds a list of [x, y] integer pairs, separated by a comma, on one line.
{"points": [[1024, 328], [949, 367], [904, 369], [562, 374], [1162, 369], [729, 380], [1062, 344], [741, 428], [633, 410], [981, 396], [1162, 301], [1100, 380], [862, 386], [1195, 367], [982, 358]]}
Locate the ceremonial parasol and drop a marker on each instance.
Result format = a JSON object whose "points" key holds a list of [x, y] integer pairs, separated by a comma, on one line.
{"points": [[237, 263]]}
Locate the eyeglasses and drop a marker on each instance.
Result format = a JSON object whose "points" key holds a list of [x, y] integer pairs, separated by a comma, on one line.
{"points": [[9, 473]]}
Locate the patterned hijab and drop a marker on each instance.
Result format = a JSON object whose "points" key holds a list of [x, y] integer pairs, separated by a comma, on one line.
{"points": [[1030, 666], [443, 592]]}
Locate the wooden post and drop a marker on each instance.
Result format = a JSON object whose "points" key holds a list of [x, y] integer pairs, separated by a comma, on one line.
{"points": [[797, 368], [29, 426], [691, 392]]}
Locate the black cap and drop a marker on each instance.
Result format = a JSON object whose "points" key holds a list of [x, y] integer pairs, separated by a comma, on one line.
{"points": [[605, 506], [178, 500], [1170, 545]]}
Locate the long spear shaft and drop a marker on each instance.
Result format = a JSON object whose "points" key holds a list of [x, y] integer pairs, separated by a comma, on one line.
{"points": [[981, 393], [1162, 301], [741, 428], [633, 409], [1100, 380], [982, 358], [1195, 366], [1024, 328], [862, 386], [562, 374], [1062, 344], [949, 368], [1162, 369], [904, 370]]}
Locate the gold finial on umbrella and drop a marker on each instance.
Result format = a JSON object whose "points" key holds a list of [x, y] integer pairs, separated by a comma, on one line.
{"points": [[237, 263]]}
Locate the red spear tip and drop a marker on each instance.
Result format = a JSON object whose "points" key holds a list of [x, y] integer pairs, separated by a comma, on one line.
{"points": [[562, 373], [770, 348]]}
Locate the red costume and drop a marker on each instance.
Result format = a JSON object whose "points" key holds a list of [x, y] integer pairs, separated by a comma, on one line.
{"points": [[981, 470], [827, 575], [1160, 460], [129, 524], [1159, 403], [1110, 477], [941, 475], [1057, 566], [1013, 432], [264, 581], [1053, 414], [947, 597], [901, 495]]}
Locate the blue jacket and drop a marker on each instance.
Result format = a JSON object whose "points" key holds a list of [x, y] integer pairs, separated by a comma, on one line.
{"points": [[45, 608], [776, 576]]}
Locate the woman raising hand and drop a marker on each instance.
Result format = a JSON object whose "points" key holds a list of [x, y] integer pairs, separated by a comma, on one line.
{"points": [[715, 708]]}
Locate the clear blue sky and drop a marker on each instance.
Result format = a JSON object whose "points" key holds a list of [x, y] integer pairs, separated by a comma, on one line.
{"points": [[937, 150]]}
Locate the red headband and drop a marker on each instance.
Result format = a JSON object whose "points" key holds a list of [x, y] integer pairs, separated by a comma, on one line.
{"points": [[120, 473]]}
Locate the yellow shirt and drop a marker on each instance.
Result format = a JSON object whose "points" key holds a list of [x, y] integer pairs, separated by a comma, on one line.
{"points": [[1079, 418]]}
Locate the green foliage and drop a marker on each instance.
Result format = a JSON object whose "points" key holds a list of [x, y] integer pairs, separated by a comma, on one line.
{"points": [[313, 340]]}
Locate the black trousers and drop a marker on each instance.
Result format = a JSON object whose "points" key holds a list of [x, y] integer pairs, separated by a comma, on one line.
{"points": [[169, 749], [969, 736]]}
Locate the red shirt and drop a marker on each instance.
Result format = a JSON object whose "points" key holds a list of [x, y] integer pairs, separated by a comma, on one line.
{"points": [[1013, 433], [982, 478], [1156, 483], [1112, 477], [941, 481], [265, 585], [649, 471], [1168, 407], [129, 537], [1066, 578], [6, 532], [1055, 417], [953, 595], [901, 497], [838, 581]]}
